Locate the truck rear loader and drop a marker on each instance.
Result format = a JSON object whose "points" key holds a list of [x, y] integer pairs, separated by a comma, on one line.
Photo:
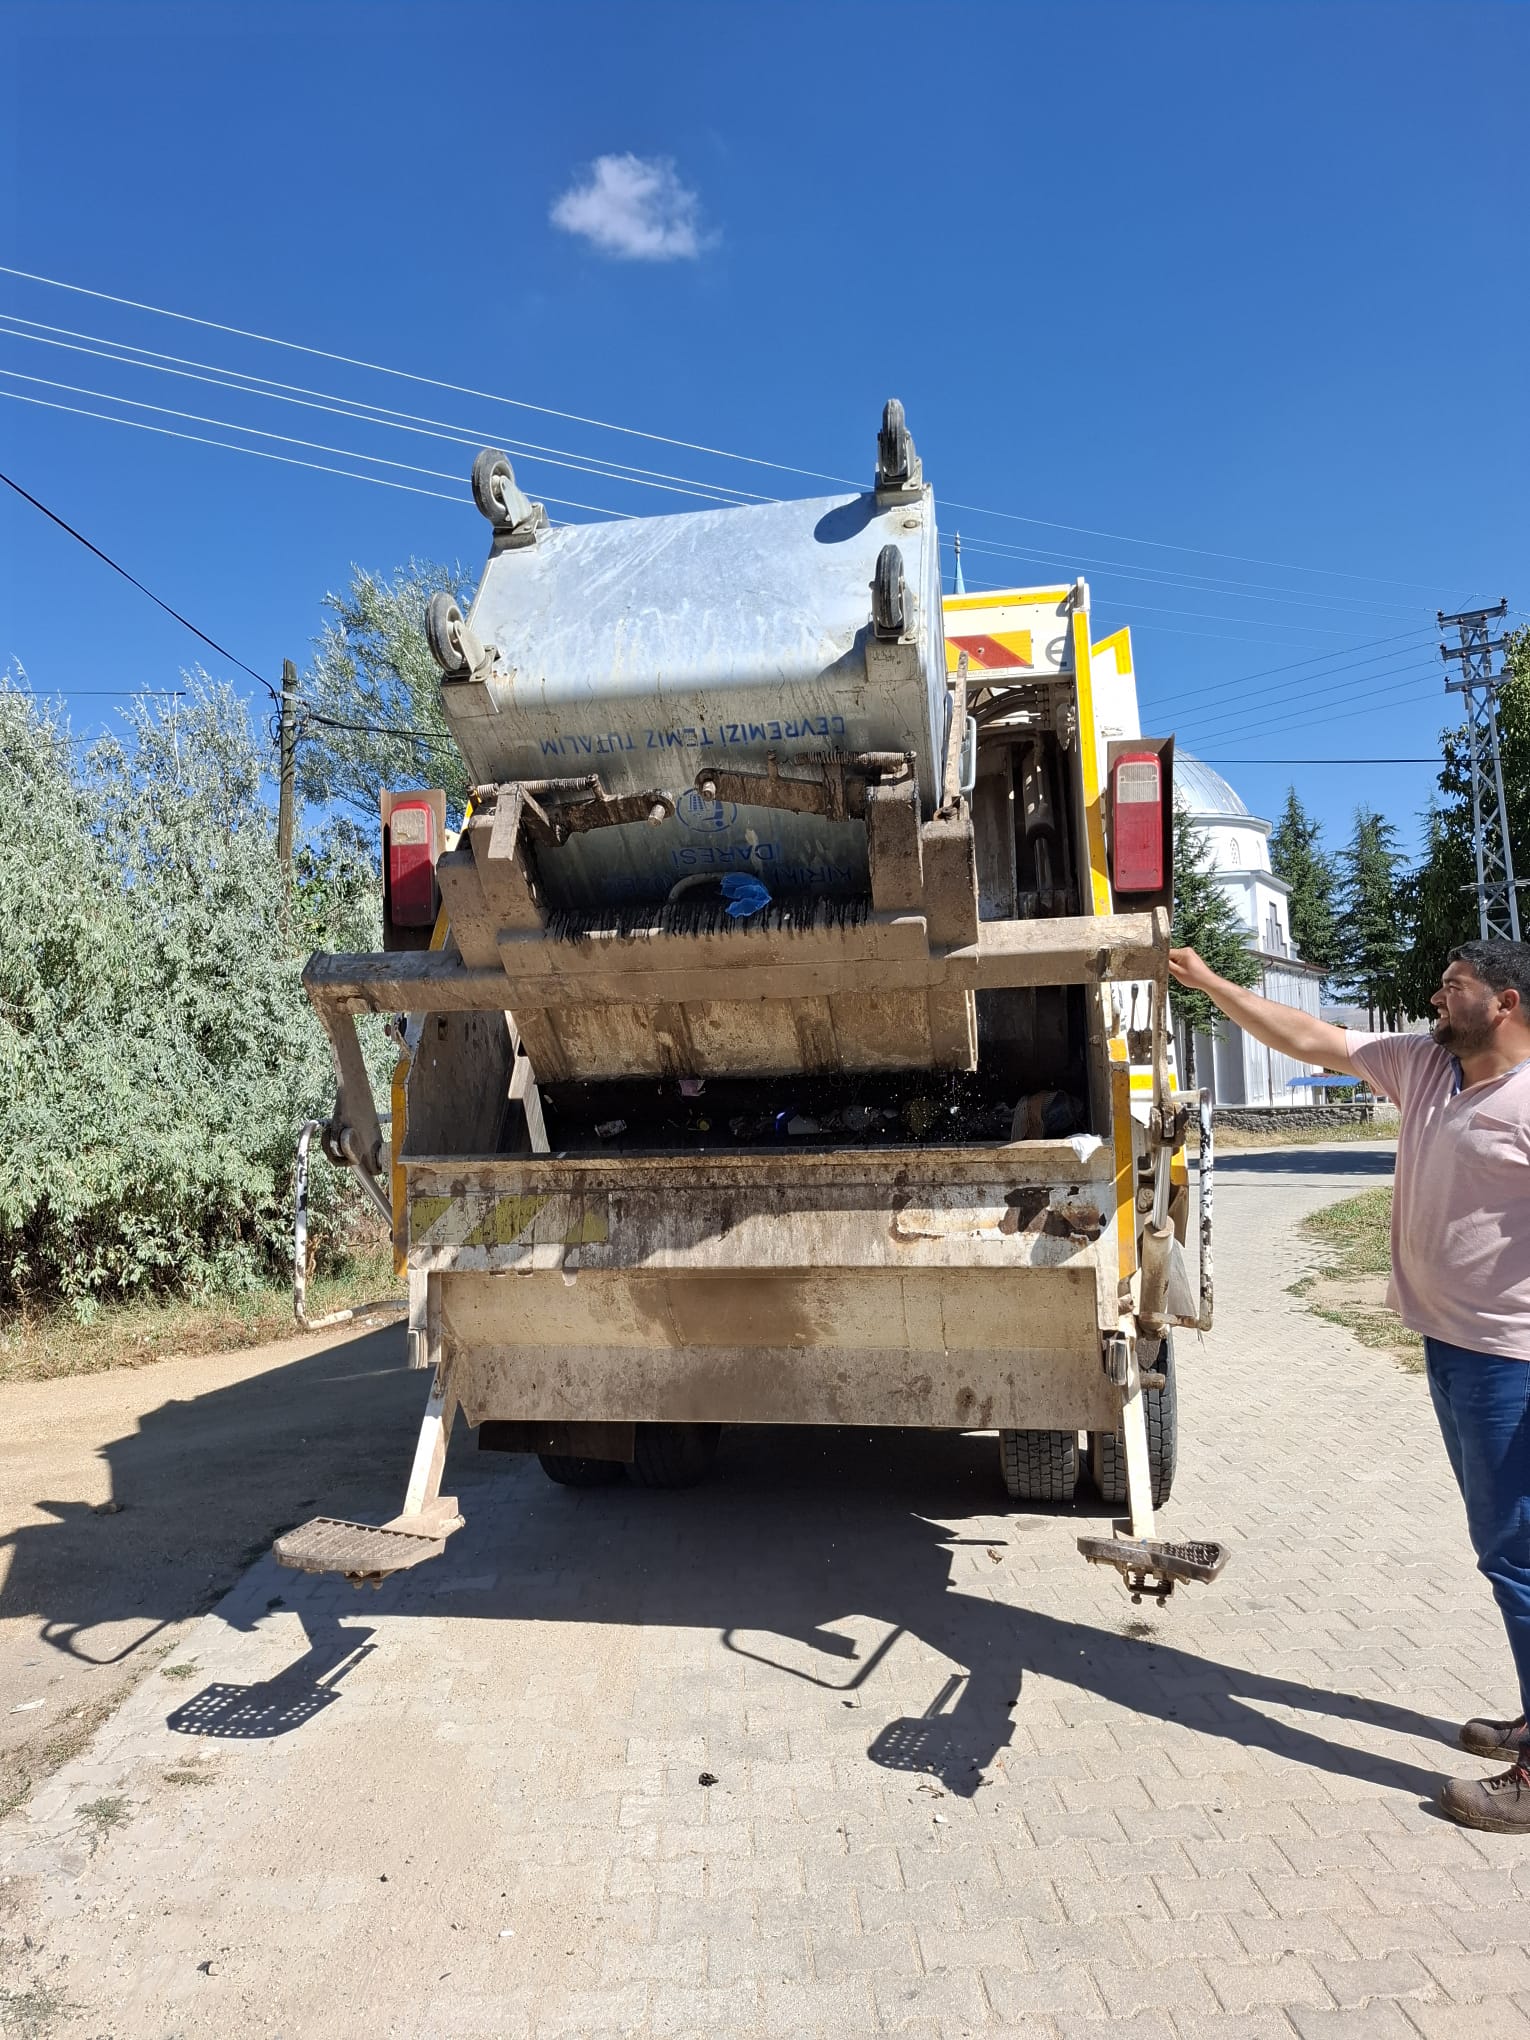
{"points": [[792, 1045]]}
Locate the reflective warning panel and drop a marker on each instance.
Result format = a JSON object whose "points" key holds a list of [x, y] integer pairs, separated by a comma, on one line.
{"points": [[1016, 634]]}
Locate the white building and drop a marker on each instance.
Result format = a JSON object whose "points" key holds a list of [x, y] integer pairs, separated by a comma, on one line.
{"points": [[1237, 1069]]}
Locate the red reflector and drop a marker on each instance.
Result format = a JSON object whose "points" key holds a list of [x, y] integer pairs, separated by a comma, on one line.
{"points": [[1137, 824], [412, 865]]}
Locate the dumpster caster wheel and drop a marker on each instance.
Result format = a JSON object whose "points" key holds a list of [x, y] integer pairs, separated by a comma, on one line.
{"points": [[568, 1472], [453, 646], [1039, 1466], [673, 1455]]}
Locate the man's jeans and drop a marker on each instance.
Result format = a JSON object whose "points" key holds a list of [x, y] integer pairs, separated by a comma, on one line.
{"points": [[1483, 1404]]}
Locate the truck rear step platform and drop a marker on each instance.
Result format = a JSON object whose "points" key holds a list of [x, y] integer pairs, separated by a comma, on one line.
{"points": [[365, 1551]]}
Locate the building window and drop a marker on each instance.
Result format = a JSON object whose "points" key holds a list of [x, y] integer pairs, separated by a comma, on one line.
{"points": [[1272, 937], [1234, 854]]}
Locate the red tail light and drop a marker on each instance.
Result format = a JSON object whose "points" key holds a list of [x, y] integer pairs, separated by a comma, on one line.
{"points": [[1137, 823], [412, 850]]}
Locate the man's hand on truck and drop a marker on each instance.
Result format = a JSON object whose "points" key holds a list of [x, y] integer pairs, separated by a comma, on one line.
{"points": [[1286, 1028]]}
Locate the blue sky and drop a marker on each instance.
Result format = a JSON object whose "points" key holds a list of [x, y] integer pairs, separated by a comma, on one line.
{"points": [[1238, 291]]}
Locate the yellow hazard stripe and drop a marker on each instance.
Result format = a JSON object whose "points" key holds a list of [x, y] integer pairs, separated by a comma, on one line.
{"points": [[1126, 1161], [1089, 761], [1003, 598], [1119, 642]]}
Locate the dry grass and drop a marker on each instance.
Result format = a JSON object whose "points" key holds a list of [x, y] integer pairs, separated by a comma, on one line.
{"points": [[46, 1347], [1351, 1289], [25, 1767]]}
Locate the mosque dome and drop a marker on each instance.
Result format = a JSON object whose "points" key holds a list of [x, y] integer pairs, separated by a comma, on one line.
{"points": [[1236, 839], [1204, 791]]}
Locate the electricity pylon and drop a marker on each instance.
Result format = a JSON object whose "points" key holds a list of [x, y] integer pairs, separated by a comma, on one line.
{"points": [[1497, 895]]}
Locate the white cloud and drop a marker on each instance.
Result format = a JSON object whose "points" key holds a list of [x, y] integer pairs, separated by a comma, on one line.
{"points": [[635, 209]]}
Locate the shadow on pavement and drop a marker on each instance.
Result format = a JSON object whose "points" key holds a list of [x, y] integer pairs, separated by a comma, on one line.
{"points": [[203, 1485], [801, 1535], [1330, 1161], [273, 1707]]}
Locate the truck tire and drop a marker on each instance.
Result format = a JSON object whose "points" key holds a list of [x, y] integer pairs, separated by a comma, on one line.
{"points": [[673, 1455], [569, 1472], [1039, 1466], [1107, 1449]]}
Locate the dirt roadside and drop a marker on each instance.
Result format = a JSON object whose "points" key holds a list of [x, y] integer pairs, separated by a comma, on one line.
{"points": [[206, 1459]]}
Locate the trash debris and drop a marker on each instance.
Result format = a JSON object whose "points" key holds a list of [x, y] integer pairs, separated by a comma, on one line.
{"points": [[799, 1126], [507, 1933], [939, 1819], [27, 1706], [692, 1087], [706, 1778], [1047, 1115], [745, 895], [107, 1509], [608, 1129], [206, 1968]]}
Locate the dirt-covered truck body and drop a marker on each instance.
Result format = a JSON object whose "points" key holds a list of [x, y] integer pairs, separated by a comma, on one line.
{"points": [[792, 1046]]}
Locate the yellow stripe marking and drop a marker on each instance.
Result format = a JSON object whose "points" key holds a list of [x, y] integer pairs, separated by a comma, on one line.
{"points": [[1126, 1164], [1089, 761], [1001, 598]]}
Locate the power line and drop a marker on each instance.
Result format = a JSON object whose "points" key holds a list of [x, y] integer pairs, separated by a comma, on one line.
{"points": [[1233, 726], [666, 439], [1224, 586], [311, 712], [123, 353], [244, 383], [1314, 682], [281, 438], [255, 452], [158, 601], [1316, 761]]}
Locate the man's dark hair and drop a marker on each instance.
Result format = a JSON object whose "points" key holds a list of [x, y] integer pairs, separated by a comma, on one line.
{"points": [[1502, 966]]}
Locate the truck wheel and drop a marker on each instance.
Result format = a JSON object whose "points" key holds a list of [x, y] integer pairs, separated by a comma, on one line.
{"points": [[1107, 1449], [673, 1455], [1039, 1466], [569, 1472]]}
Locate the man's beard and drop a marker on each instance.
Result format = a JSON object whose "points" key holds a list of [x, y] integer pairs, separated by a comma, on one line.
{"points": [[1465, 1038]]}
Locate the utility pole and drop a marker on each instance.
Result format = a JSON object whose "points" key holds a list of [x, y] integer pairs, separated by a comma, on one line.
{"points": [[1497, 896], [287, 753]]}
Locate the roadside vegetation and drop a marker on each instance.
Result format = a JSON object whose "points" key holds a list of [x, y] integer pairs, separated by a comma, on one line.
{"points": [[46, 1345], [1350, 1289]]}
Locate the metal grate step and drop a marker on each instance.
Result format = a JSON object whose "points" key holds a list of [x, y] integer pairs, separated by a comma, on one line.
{"points": [[361, 1551], [1153, 1568]]}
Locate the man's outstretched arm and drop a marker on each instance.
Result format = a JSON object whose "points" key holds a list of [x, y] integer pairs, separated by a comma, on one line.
{"points": [[1287, 1028]]}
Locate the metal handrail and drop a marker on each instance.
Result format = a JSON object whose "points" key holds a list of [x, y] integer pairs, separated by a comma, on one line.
{"points": [[300, 1237]]}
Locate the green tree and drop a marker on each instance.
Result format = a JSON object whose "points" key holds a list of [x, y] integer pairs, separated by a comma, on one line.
{"points": [[1205, 920], [372, 674], [1440, 897], [156, 1054], [1372, 923], [1297, 857]]}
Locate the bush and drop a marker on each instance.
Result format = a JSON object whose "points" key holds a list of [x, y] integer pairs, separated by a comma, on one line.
{"points": [[156, 1053]]}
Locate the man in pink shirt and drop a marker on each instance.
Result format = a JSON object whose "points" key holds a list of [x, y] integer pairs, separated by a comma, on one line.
{"points": [[1460, 1269]]}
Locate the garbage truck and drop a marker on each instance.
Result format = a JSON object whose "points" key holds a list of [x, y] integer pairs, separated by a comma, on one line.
{"points": [[785, 1032]]}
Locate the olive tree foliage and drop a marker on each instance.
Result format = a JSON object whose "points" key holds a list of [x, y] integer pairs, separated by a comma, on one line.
{"points": [[157, 1056], [371, 677]]}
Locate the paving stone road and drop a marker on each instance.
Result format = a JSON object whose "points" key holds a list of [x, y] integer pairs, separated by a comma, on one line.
{"points": [[963, 1786]]}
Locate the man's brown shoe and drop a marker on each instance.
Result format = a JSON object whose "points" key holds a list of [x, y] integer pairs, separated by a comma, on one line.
{"points": [[1500, 1804], [1494, 1738]]}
